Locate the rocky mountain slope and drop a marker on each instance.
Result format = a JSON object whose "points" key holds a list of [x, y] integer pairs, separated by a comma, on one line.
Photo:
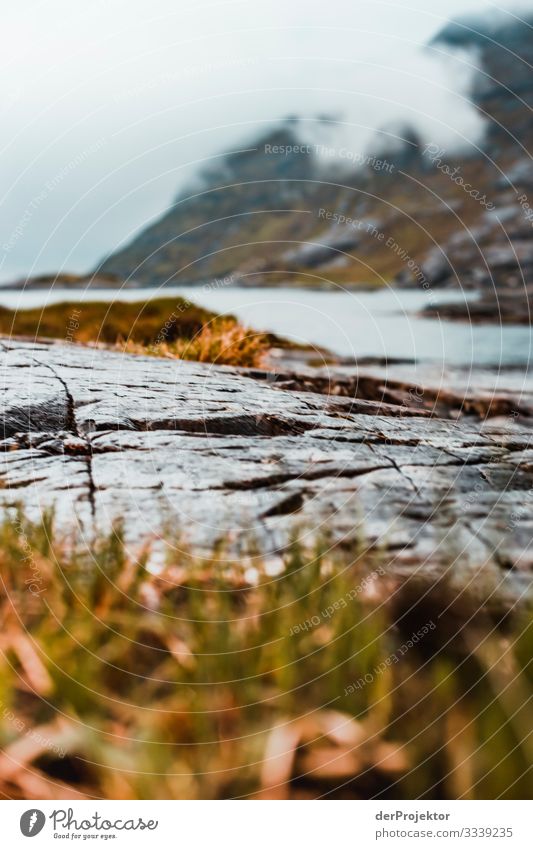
{"points": [[408, 214]]}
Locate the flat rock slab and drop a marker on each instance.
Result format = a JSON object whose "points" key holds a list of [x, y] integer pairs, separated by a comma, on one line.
{"points": [[209, 455]]}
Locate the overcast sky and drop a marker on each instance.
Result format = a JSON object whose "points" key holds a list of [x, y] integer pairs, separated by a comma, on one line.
{"points": [[109, 106]]}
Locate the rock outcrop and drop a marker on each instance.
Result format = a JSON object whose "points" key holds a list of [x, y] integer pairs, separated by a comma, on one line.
{"points": [[417, 215], [209, 455]]}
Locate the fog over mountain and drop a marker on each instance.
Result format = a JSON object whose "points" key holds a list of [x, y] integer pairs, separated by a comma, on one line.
{"points": [[110, 110]]}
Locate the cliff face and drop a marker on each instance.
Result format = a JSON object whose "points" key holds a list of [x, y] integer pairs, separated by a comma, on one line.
{"points": [[418, 215]]}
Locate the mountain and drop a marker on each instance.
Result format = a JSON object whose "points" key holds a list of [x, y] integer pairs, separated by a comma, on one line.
{"points": [[413, 214]]}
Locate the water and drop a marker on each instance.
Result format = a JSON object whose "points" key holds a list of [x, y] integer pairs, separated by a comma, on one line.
{"points": [[352, 324]]}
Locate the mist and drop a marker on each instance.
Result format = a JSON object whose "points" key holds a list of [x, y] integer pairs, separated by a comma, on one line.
{"points": [[109, 108]]}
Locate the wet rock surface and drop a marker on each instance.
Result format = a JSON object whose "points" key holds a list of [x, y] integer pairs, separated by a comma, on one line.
{"points": [[212, 455]]}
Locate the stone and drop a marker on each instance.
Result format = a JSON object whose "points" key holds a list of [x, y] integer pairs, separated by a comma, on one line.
{"points": [[186, 453]]}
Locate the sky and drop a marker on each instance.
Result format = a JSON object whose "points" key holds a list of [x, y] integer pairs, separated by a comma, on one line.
{"points": [[109, 107]]}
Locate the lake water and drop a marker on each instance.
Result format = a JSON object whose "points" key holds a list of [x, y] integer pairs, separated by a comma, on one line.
{"points": [[351, 324]]}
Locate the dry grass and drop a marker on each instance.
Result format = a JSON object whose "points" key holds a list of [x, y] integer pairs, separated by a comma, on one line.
{"points": [[105, 322], [118, 683]]}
